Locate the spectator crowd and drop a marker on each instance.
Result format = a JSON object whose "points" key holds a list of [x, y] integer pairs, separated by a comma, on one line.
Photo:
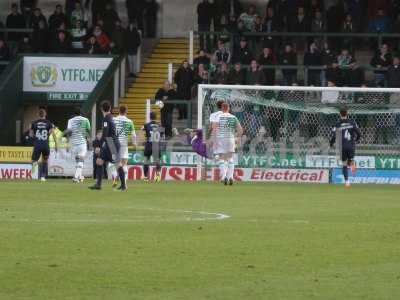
{"points": [[84, 27]]}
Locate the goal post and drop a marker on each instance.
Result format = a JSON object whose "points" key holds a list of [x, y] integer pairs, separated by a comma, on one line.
{"points": [[290, 126]]}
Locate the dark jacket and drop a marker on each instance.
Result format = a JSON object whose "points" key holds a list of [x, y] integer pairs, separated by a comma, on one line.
{"points": [[221, 78], [243, 55], [393, 76], [205, 13], [312, 59], [55, 20], [223, 7], [40, 40], [288, 58], [205, 60], [118, 36], [255, 78], [236, 77], [269, 73], [378, 61], [133, 40], [184, 79], [34, 21], [15, 21], [171, 95]]}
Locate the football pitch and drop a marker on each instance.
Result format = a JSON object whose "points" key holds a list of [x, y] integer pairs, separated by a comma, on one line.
{"points": [[199, 241]]}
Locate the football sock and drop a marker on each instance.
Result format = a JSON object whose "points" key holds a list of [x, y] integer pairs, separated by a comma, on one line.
{"points": [[44, 170], [146, 170], [113, 171], [78, 169], [231, 168], [99, 175], [345, 173], [126, 173], [35, 170], [121, 174], [222, 169]]}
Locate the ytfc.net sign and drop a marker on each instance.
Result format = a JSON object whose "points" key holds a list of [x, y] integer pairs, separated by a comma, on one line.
{"points": [[63, 78]]}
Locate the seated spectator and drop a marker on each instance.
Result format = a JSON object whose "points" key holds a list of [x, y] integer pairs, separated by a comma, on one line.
{"points": [[381, 59], [267, 58], [313, 58], [78, 33], [222, 54], [345, 59], [15, 20], [61, 44], [393, 73], [221, 76], [289, 58], [109, 16], [254, 75], [79, 13], [184, 79], [202, 58], [167, 93], [381, 23], [272, 22], [133, 41], [327, 58], [40, 38], [237, 75], [4, 51], [102, 38], [119, 37], [248, 18], [57, 18], [299, 22], [92, 46], [348, 27], [243, 53], [201, 76], [36, 17], [24, 45]]}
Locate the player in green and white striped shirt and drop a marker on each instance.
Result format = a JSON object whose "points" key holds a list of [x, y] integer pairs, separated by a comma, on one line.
{"points": [[125, 129], [78, 132], [226, 130]]}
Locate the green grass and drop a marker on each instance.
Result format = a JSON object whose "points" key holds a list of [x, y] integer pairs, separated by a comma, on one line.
{"points": [[282, 241]]}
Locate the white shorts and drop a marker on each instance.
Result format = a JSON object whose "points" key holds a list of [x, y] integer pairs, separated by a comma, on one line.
{"points": [[79, 150], [123, 152], [224, 146]]}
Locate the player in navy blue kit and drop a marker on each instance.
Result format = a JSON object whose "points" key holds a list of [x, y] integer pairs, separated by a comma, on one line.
{"points": [[154, 135], [347, 133], [109, 148], [40, 131]]}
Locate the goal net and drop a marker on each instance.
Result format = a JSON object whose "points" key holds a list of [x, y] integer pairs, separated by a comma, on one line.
{"points": [[290, 127]]}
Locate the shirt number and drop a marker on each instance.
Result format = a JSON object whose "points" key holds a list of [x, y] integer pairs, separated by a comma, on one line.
{"points": [[41, 135], [347, 135]]}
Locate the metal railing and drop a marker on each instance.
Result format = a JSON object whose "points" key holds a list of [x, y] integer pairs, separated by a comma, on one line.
{"points": [[302, 70], [379, 37]]}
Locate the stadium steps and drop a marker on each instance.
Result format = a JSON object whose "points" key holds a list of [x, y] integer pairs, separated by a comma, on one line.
{"points": [[152, 76]]}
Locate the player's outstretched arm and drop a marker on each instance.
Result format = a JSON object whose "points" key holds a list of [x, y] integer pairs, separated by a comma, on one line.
{"points": [[357, 132]]}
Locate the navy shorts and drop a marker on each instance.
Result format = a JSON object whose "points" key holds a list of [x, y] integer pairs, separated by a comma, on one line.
{"points": [[40, 150], [348, 154], [149, 150]]}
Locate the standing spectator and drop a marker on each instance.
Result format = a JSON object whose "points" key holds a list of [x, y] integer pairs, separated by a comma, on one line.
{"points": [[133, 41], [78, 33], [36, 18], [380, 24], [327, 58], [109, 17], [243, 53], [79, 13], [24, 45], [164, 94], [97, 8], [357, 10], [267, 58], [27, 7], [222, 54], [348, 27], [69, 7], [254, 75], [289, 58], [150, 15], [61, 44], [230, 8], [237, 75], [204, 18], [135, 12], [393, 73], [318, 26], [272, 23], [221, 76], [119, 37], [102, 38], [57, 18], [40, 38], [184, 79], [313, 58], [202, 58], [248, 18], [300, 22], [15, 20], [92, 46], [381, 59]]}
